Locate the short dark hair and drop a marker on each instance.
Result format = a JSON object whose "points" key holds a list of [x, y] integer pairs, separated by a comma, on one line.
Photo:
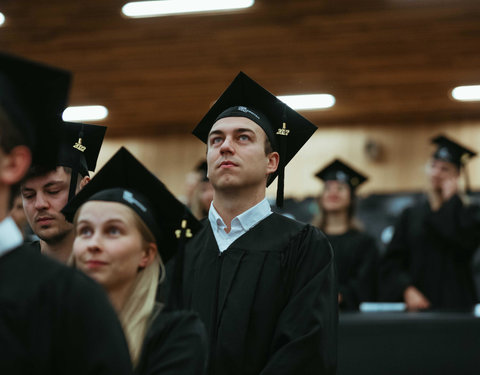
{"points": [[268, 146]]}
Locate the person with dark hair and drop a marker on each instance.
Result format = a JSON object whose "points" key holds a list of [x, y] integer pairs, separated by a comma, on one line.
{"points": [[356, 253], [428, 262], [125, 229], [263, 284], [53, 320], [16, 211], [202, 192], [45, 191]]}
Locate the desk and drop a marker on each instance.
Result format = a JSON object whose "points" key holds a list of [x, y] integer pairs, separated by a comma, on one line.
{"points": [[408, 343]]}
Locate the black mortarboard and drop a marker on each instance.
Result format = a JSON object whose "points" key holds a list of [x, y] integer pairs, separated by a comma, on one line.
{"points": [[286, 129], [339, 171], [33, 97], [79, 148], [451, 151], [125, 180]]}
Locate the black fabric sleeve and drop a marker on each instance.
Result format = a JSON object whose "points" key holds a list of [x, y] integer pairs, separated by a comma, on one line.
{"points": [[304, 341], [458, 226], [362, 285], [90, 339], [394, 274], [176, 344]]}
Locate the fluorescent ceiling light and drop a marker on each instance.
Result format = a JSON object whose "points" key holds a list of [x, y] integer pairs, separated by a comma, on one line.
{"points": [[312, 101], [140, 9], [467, 93], [2, 18], [85, 113]]}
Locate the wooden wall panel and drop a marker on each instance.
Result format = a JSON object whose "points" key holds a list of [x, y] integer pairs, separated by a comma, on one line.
{"points": [[406, 150]]}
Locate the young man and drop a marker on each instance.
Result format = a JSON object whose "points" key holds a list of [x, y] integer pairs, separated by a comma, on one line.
{"points": [[428, 262], [46, 191], [263, 284], [53, 319]]}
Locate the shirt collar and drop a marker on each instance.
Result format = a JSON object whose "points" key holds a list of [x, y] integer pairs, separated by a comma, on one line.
{"points": [[246, 219], [10, 235]]}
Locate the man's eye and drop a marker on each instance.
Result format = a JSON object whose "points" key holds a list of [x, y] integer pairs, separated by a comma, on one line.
{"points": [[53, 192], [216, 140], [244, 137]]}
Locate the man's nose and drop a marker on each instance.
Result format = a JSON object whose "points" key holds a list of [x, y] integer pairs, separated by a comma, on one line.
{"points": [[41, 202], [227, 146]]}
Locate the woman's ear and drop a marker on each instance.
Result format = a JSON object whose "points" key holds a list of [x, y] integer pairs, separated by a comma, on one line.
{"points": [[148, 255], [14, 165]]}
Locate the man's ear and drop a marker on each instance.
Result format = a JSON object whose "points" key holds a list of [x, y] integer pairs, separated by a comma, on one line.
{"points": [[14, 165], [273, 160], [85, 180]]}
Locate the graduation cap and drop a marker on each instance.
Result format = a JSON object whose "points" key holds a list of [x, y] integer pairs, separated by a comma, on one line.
{"points": [[339, 171], [33, 97], [79, 149], [125, 180], [286, 129], [451, 151]]}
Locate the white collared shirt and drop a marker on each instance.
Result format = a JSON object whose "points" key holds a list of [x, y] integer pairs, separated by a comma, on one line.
{"points": [[240, 224], [10, 235]]}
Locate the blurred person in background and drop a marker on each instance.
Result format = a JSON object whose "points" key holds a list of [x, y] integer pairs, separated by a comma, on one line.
{"points": [[356, 253], [202, 194], [428, 263]]}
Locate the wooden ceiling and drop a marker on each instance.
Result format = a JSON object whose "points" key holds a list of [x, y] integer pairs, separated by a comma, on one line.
{"points": [[388, 62]]}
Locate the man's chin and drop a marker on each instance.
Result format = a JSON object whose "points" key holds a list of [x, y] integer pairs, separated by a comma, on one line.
{"points": [[50, 235]]}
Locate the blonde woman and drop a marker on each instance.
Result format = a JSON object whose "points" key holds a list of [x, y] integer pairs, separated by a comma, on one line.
{"points": [[125, 225]]}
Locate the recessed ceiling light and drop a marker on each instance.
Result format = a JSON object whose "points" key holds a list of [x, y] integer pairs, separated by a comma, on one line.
{"points": [[139, 9], [311, 101], [85, 113], [466, 93], [2, 19]]}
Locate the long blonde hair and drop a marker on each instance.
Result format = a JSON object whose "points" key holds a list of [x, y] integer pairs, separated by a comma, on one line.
{"points": [[137, 310]]}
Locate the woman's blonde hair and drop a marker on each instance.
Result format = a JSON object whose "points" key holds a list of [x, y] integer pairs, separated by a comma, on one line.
{"points": [[138, 308], [135, 314]]}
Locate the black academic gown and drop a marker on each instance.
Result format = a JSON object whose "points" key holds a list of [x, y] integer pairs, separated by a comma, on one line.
{"points": [[269, 302], [356, 257], [433, 251], [55, 320], [175, 344]]}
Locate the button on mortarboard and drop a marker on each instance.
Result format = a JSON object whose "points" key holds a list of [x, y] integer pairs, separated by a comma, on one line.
{"points": [[33, 96], [286, 129], [451, 151], [340, 171]]}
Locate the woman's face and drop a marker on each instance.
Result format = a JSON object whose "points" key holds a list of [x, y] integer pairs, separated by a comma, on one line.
{"points": [[336, 196], [108, 245]]}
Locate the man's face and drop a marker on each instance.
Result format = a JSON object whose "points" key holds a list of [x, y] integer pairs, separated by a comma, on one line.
{"points": [[236, 154], [439, 172], [43, 198]]}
